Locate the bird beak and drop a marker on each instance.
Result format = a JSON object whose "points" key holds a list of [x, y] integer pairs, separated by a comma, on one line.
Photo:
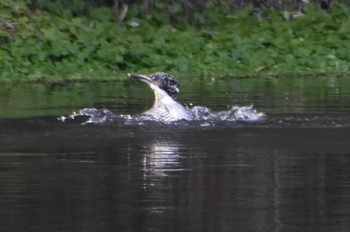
{"points": [[140, 77]]}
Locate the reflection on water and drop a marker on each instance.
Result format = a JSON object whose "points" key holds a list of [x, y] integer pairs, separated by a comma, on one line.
{"points": [[270, 95], [161, 159], [282, 174]]}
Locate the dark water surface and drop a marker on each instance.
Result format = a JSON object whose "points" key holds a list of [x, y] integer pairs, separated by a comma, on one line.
{"points": [[289, 172]]}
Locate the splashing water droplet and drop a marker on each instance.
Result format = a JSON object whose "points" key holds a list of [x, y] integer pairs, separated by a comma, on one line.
{"points": [[200, 113]]}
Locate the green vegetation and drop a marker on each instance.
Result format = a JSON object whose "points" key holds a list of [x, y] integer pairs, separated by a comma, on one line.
{"points": [[61, 45]]}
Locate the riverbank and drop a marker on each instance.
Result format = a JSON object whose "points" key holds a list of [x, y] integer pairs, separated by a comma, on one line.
{"points": [[39, 46]]}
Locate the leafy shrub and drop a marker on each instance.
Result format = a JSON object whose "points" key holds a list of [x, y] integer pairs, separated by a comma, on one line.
{"points": [[37, 45]]}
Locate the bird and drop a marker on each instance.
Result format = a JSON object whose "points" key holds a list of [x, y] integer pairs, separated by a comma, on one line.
{"points": [[165, 107]]}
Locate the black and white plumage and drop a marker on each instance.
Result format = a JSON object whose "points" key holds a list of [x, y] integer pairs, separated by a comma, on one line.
{"points": [[166, 88]]}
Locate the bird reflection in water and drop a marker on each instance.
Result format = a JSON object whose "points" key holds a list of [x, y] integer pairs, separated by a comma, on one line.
{"points": [[161, 159]]}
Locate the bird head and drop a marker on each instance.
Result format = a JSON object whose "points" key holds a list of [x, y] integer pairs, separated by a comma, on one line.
{"points": [[160, 80]]}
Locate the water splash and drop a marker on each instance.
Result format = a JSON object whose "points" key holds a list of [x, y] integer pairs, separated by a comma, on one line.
{"points": [[235, 113], [201, 114], [91, 115]]}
